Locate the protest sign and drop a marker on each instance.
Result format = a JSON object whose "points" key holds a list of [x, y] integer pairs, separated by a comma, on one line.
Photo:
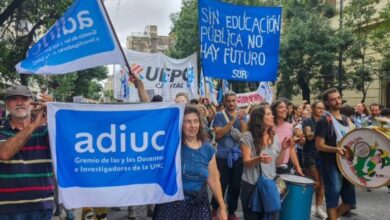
{"points": [[112, 156], [239, 42]]}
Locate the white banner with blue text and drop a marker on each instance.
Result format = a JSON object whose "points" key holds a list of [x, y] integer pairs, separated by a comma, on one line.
{"points": [[151, 68], [113, 155]]}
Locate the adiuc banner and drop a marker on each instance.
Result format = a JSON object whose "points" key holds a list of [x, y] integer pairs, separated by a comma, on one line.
{"points": [[116, 155], [82, 38], [239, 42], [151, 68]]}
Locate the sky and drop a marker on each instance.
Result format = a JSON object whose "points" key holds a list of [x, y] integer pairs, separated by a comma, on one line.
{"points": [[133, 15]]}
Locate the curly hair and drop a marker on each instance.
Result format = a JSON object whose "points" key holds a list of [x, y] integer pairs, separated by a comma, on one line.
{"points": [[256, 127]]}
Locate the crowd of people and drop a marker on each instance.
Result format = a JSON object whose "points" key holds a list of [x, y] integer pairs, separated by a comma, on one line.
{"points": [[225, 149]]}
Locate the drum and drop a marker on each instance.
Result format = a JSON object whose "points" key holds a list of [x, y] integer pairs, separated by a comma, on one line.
{"points": [[366, 162], [297, 203]]}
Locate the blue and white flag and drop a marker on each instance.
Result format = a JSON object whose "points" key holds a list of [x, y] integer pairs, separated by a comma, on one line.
{"points": [[82, 38], [266, 92], [164, 84], [225, 86], [191, 82], [239, 42], [116, 155], [202, 88], [211, 89], [220, 95], [124, 78]]}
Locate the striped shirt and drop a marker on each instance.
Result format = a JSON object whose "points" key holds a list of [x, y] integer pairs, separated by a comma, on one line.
{"points": [[26, 180]]}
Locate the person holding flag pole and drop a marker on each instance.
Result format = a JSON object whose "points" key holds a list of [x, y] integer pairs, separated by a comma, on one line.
{"points": [[82, 38]]}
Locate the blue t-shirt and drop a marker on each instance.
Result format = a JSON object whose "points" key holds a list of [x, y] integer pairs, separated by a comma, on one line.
{"points": [[226, 142], [195, 166]]}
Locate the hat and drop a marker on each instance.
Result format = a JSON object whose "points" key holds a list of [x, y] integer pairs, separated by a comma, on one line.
{"points": [[18, 90]]}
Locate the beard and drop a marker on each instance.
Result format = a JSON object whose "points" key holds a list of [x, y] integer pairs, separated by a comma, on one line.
{"points": [[20, 113], [335, 107]]}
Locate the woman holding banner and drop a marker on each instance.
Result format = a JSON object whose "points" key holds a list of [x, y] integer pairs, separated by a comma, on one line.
{"points": [[199, 169]]}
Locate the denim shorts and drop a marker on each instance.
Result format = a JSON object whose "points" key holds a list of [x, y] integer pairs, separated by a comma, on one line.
{"points": [[335, 186]]}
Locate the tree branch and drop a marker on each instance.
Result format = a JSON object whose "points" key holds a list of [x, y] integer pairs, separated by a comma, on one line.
{"points": [[9, 11]]}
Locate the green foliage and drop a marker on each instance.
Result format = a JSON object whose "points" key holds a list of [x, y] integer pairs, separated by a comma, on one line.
{"points": [[308, 50], [82, 83], [16, 39], [185, 26]]}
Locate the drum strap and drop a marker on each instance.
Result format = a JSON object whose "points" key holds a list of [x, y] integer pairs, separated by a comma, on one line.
{"points": [[339, 129]]}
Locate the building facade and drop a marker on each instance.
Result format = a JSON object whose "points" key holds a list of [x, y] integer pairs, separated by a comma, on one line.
{"points": [[148, 41]]}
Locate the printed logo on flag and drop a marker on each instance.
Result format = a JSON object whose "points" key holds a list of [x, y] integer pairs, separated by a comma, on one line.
{"points": [[137, 70], [82, 32], [130, 149]]}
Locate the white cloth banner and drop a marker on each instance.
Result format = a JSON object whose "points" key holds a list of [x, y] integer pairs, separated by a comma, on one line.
{"points": [[116, 155], [150, 67]]}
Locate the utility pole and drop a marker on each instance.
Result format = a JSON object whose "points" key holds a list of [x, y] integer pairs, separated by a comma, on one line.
{"points": [[340, 50]]}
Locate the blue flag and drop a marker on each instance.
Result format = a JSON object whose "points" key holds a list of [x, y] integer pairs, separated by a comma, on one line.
{"points": [[239, 42], [220, 95], [191, 82], [202, 89], [82, 38]]}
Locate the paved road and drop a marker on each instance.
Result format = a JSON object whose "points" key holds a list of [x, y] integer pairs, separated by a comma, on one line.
{"points": [[373, 205]]}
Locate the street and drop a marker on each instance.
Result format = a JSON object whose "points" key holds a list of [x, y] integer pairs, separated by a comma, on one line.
{"points": [[372, 205]]}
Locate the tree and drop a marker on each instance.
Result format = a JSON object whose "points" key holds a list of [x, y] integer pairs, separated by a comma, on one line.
{"points": [[82, 83], [361, 66], [21, 22], [308, 49], [185, 28]]}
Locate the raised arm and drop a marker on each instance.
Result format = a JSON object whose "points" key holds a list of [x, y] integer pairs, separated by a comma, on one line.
{"points": [[11, 146]]}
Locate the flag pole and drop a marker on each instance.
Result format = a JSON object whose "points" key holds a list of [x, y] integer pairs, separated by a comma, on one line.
{"points": [[116, 37]]}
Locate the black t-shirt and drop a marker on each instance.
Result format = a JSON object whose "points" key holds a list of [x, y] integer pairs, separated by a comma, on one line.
{"points": [[309, 147], [325, 130]]}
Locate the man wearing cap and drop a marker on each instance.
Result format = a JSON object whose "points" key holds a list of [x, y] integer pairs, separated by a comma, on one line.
{"points": [[26, 175]]}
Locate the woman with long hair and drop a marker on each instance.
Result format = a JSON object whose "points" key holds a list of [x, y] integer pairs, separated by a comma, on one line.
{"points": [[260, 145], [283, 130], [199, 169]]}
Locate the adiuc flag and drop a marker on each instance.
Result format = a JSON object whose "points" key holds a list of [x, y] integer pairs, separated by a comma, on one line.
{"points": [[82, 38], [115, 156]]}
